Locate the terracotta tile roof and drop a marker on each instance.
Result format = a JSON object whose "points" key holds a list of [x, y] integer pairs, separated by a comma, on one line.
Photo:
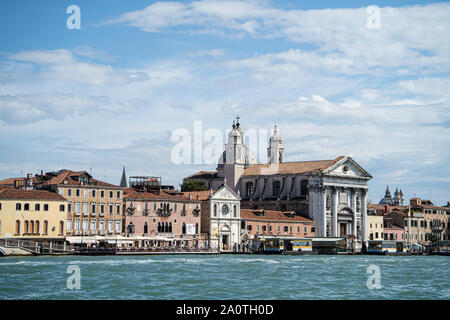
{"points": [[131, 194], [69, 175], [10, 181], [272, 215], [198, 195], [291, 167], [9, 193]]}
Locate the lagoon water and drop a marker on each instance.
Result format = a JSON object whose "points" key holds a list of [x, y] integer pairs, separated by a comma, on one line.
{"points": [[225, 277]]}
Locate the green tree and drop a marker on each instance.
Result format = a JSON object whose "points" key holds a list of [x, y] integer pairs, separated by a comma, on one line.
{"points": [[433, 238], [193, 186]]}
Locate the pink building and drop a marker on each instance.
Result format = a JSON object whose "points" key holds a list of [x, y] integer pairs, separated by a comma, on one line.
{"points": [[394, 233], [159, 217]]}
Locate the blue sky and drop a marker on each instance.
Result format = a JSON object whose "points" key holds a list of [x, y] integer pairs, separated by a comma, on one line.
{"points": [[113, 92]]}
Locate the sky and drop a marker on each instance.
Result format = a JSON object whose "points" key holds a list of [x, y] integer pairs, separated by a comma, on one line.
{"points": [[337, 78]]}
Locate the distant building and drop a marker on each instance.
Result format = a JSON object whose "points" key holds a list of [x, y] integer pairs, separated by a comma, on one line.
{"points": [[32, 214], [94, 207], [375, 227], [221, 217], [123, 180], [157, 217], [435, 220], [333, 192], [261, 222], [397, 200]]}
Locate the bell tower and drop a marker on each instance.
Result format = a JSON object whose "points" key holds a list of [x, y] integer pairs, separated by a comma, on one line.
{"points": [[275, 151]]}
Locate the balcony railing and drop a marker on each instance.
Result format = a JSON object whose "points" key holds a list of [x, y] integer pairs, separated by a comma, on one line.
{"points": [[145, 212], [164, 212], [183, 212], [196, 212], [130, 211]]}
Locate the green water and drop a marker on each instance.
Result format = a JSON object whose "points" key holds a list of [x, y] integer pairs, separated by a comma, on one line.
{"points": [[225, 277]]}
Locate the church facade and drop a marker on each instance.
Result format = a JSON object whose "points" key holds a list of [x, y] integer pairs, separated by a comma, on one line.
{"points": [[333, 192]]}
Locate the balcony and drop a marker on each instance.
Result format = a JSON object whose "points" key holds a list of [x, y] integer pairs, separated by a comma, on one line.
{"points": [[164, 212], [130, 211], [145, 212], [196, 212], [183, 212]]}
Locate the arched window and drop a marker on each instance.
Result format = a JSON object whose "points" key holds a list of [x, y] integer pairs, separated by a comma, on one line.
{"points": [[215, 210], [249, 189], [276, 185], [36, 226], [17, 227], [166, 227], [61, 208], [18, 206], [145, 228], [183, 229], [37, 207], [45, 227], [31, 226], [26, 207], [170, 227], [25, 227], [130, 228], [61, 227], [234, 211]]}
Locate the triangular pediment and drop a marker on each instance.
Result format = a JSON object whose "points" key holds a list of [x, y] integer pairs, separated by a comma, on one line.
{"points": [[225, 192], [347, 167]]}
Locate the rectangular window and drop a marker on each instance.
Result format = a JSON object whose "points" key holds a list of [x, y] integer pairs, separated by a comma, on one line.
{"points": [[154, 206], [249, 227], [290, 229], [174, 207], [102, 193], [110, 225], [102, 208], [77, 207], [85, 224], [85, 207], [77, 224], [279, 229], [93, 208], [117, 225], [257, 227], [304, 230], [111, 208], [118, 194], [270, 228], [285, 229], [69, 192], [93, 225], [69, 224], [264, 228], [69, 207], [118, 208], [94, 193], [102, 225], [61, 192], [86, 193], [77, 192]]}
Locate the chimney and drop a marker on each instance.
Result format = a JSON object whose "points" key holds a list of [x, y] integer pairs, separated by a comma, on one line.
{"points": [[16, 184]]}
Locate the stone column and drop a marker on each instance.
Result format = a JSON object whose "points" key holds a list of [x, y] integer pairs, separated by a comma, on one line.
{"points": [[323, 210], [354, 210], [364, 217], [334, 212]]}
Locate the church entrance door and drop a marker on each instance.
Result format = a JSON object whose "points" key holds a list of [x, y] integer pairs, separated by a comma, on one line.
{"points": [[225, 244], [342, 229]]}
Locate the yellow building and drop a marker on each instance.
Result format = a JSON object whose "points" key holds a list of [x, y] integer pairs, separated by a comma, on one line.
{"points": [[32, 214], [94, 207], [375, 228]]}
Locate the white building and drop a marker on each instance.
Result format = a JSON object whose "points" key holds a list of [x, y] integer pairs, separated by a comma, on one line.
{"points": [[331, 192], [220, 217]]}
